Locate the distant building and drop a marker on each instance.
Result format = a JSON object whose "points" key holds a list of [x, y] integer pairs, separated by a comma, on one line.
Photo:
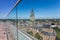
{"points": [[44, 29], [32, 18], [58, 26], [53, 25], [46, 33]]}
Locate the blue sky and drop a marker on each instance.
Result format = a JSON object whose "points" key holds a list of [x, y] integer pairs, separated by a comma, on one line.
{"points": [[43, 9], [6, 6]]}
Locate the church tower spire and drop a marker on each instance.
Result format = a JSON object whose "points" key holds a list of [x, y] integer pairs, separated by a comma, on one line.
{"points": [[32, 13], [32, 18]]}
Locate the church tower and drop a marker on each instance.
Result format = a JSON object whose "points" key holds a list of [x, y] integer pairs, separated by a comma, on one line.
{"points": [[32, 18]]}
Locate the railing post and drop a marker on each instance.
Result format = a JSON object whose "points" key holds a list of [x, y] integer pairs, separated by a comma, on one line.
{"points": [[17, 22]]}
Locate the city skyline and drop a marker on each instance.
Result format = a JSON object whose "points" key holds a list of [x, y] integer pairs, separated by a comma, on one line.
{"points": [[43, 9]]}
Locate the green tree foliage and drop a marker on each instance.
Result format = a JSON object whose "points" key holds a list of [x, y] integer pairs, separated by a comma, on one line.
{"points": [[57, 31], [31, 33], [37, 36]]}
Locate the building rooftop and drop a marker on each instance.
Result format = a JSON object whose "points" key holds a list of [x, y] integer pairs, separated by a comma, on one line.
{"points": [[48, 32]]}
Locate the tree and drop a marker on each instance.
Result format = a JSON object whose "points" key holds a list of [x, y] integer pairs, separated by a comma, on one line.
{"points": [[31, 33], [37, 36]]}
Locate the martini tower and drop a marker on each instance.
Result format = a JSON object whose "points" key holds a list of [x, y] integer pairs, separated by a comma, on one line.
{"points": [[32, 18]]}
